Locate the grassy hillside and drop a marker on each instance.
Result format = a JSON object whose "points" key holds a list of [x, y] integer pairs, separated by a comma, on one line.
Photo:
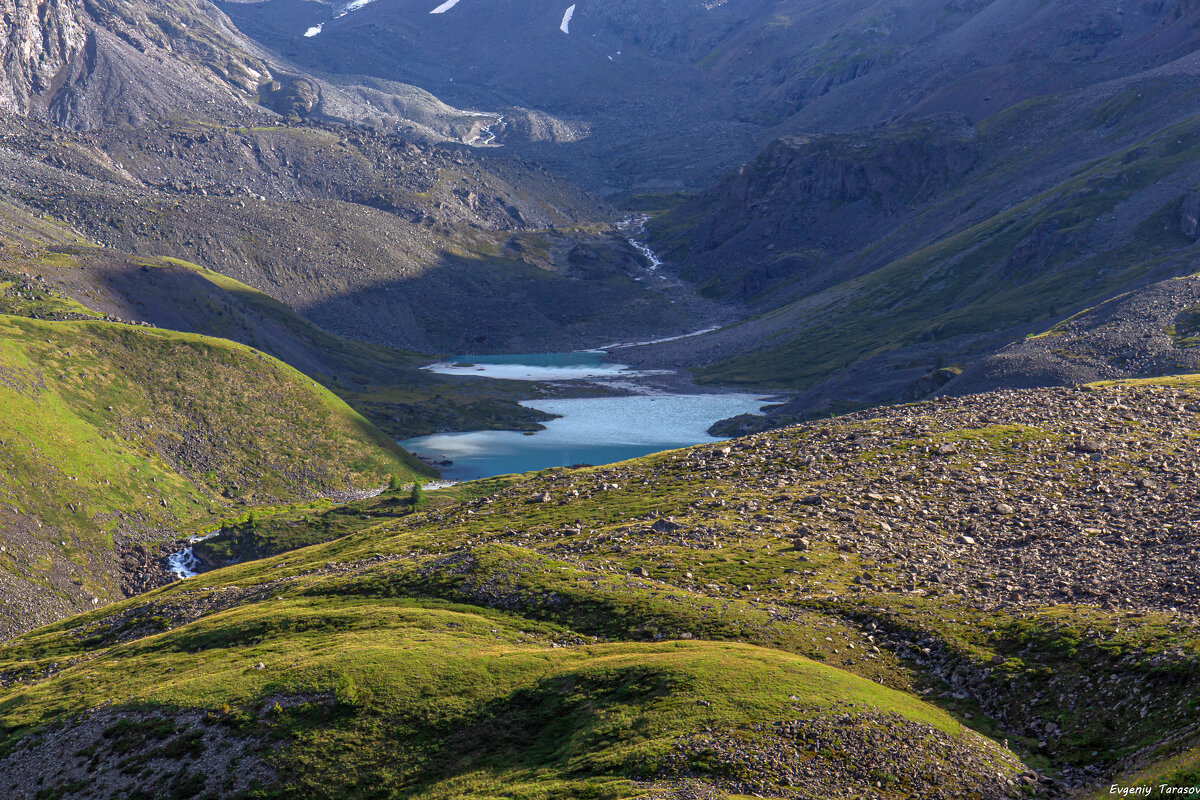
{"points": [[48, 272], [113, 434], [923, 601]]}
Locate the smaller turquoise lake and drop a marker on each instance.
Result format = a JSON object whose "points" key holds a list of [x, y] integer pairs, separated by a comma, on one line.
{"points": [[581, 365]]}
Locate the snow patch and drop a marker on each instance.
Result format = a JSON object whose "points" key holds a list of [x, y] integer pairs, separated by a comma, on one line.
{"points": [[566, 23], [353, 5], [444, 7]]}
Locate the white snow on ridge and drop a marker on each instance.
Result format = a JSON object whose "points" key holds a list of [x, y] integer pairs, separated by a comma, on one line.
{"points": [[353, 5], [566, 23], [444, 7]]}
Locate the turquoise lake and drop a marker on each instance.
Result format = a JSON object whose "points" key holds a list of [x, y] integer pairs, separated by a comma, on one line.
{"points": [[592, 430]]}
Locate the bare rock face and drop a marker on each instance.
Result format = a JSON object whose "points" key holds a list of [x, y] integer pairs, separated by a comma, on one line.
{"points": [[1033, 253], [37, 39], [805, 199], [89, 63]]}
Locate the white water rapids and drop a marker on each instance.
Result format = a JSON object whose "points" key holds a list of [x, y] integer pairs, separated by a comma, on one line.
{"points": [[635, 225], [488, 132], [182, 564]]}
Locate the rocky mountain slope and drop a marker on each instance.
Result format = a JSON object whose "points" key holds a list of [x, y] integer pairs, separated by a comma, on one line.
{"points": [[101, 62], [1150, 331], [95, 64], [1051, 207], [877, 584], [368, 234], [669, 93]]}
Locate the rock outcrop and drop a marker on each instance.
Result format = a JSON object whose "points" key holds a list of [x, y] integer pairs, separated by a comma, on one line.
{"points": [[85, 64], [806, 199]]}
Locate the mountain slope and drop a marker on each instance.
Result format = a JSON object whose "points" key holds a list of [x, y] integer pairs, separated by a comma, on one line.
{"points": [[708, 622], [1068, 201], [101, 62], [96, 64], [368, 234], [116, 435], [47, 271], [1147, 332]]}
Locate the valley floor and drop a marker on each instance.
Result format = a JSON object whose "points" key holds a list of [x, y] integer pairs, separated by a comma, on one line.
{"points": [[989, 596]]}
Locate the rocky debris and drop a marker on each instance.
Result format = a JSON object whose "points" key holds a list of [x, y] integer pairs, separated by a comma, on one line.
{"points": [[855, 751], [143, 567], [1135, 335], [117, 752], [1063, 494], [351, 495]]}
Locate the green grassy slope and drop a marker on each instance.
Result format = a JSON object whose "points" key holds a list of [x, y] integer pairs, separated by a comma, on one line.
{"points": [[350, 694], [820, 610], [48, 272], [113, 434]]}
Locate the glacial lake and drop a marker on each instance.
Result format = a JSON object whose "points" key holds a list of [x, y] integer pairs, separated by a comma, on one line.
{"points": [[591, 430]]}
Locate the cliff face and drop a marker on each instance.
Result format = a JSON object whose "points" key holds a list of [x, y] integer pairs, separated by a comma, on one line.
{"points": [[807, 198], [87, 63], [37, 39]]}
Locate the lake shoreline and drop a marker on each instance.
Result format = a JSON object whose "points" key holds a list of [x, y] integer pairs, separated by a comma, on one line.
{"points": [[604, 412]]}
